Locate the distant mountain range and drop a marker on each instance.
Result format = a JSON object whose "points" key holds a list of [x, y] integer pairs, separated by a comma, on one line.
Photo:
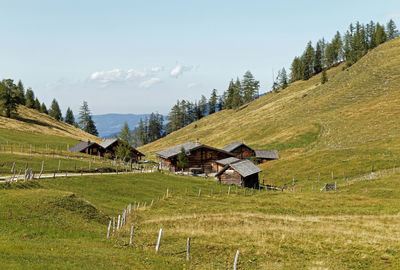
{"points": [[109, 125]]}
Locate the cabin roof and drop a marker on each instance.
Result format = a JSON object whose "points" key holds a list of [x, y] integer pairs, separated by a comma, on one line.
{"points": [[243, 167], [188, 146], [268, 154], [233, 146], [82, 146], [107, 142], [228, 160]]}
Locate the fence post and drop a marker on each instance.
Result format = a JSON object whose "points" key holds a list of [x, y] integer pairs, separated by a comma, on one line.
{"points": [[199, 192], [188, 249], [236, 260], [229, 190], [59, 165], [113, 224], [130, 239], [159, 240], [108, 231]]}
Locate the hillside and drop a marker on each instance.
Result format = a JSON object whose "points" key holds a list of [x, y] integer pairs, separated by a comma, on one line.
{"points": [[345, 125], [32, 122]]}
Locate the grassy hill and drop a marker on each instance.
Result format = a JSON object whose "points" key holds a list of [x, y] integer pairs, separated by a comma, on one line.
{"points": [[345, 125], [62, 224]]}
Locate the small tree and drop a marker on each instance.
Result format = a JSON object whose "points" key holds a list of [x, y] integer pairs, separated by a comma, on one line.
{"points": [[86, 122], [124, 150], [324, 77], [55, 111], [69, 117], [183, 160], [43, 108], [9, 98], [36, 105], [29, 98], [126, 134]]}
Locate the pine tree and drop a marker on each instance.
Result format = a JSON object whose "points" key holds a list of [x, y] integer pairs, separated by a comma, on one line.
{"points": [[36, 104], [380, 34], [237, 99], [9, 97], [54, 110], [283, 80], [296, 70], [229, 95], [308, 61], [220, 103], [318, 58], [29, 98], [391, 31], [125, 134], [324, 77], [202, 106], [21, 93], [212, 102], [250, 87], [43, 108], [86, 122], [69, 117]]}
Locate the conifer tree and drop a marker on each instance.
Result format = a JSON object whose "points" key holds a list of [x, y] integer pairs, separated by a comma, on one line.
{"points": [[283, 80], [69, 117], [296, 70], [308, 61], [229, 95], [86, 122], [324, 76], [202, 106], [29, 98], [250, 87], [43, 109], [212, 102], [237, 99], [318, 58], [54, 110], [380, 34], [391, 30], [125, 134], [9, 97], [36, 104], [220, 103], [183, 160], [21, 92]]}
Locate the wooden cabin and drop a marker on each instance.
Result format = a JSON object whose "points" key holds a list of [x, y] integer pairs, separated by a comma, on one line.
{"points": [[90, 148], [111, 145], [220, 164], [241, 173], [240, 150], [201, 158], [266, 155]]}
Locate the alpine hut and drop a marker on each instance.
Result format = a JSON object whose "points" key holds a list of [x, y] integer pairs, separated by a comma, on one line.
{"points": [[241, 173], [90, 148], [111, 145], [240, 150], [201, 158]]}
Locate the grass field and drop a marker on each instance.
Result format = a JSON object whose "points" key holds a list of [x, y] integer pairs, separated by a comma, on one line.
{"points": [[62, 223]]}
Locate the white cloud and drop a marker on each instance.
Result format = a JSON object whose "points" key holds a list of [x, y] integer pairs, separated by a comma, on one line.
{"points": [[119, 75], [150, 82], [179, 69], [191, 85]]}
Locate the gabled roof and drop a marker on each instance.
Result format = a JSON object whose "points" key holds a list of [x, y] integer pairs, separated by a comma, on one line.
{"points": [[228, 160], [107, 142], [243, 167], [234, 145], [267, 154], [188, 146], [82, 146]]}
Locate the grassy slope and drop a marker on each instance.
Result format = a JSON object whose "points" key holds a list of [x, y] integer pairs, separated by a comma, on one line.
{"points": [[343, 126], [62, 223], [31, 127]]}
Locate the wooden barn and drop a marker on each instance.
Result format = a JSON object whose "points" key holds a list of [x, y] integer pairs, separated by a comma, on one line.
{"points": [[111, 145], [266, 155], [241, 173], [90, 148], [240, 150], [201, 158], [220, 164]]}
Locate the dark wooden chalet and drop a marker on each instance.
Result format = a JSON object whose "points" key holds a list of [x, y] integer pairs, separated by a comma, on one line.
{"points": [[111, 145], [90, 148], [240, 150], [241, 173], [201, 157], [266, 155]]}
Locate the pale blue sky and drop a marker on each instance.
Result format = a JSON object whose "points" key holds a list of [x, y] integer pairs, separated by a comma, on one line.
{"points": [[141, 56]]}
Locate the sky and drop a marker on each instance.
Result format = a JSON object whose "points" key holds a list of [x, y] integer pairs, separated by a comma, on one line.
{"points": [[142, 56]]}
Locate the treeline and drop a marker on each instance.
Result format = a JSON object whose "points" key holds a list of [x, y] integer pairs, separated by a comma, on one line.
{"points": [[349, 47], [239, 92], [13, 95]]}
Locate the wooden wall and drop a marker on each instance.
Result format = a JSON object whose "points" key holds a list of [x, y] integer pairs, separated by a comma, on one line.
{"points": [[243, 152]]}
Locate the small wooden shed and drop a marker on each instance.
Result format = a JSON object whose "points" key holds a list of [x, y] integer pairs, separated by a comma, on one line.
{"points": [[266, 155], [241, 173]]}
